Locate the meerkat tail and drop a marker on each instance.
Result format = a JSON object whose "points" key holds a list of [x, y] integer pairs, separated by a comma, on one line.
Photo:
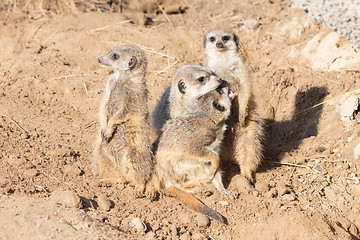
{"points": [[193, 203]]}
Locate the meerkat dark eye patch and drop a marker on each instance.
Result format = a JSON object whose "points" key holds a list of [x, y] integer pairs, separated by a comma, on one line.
{"points": [[218, 107], [132, 63], [226, 38], [200, 80], [236, 40], [212, 39], [114, 56], [181, 87]]}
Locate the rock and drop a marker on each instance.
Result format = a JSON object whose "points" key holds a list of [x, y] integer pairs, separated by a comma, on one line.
{"points": [[251, 23], [349, 105], [198, 236], [184, 218], [255, 193], [320, 149], [356, 151], [72, 170], [202, 220], [104, 203], [30, 173], [262, 187], [15, 161], [138, 224], [185, 236], [224, 203], [68, 198], [355, 190], [289, 197]]}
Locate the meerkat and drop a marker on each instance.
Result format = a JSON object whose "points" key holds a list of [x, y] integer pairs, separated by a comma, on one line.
{"points": [[189, 83], [188, 153], [224, 57], [122, 148]]}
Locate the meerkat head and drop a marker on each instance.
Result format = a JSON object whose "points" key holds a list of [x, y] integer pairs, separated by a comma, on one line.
{"points": [[125, 58], [193, 81], [218, 100], [221, 40]]}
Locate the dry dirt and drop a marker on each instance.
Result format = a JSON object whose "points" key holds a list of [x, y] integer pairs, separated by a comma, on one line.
{"points": [[50, 88]]}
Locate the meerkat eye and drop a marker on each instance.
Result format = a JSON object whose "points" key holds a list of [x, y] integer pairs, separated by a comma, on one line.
{"points": [[218, 107], [226, 38], [212, 39], [115, 56], [200, 79]]}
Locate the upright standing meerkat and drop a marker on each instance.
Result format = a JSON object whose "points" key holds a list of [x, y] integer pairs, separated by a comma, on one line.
{"points": [[188, 153], [224, 57], [189, 83], [122, 148]]}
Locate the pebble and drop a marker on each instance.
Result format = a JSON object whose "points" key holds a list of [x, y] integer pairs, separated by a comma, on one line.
{"points": [[30, 173], [255, 193], [198, 236], [320, 149], [138, 224], [224, 203], [68, 198], [185, 219], [356, 151], [202, 220], [251, 23], [272, 183], [104, 203], [355, 190], [262, 187], [289, 197], [72, 170]]}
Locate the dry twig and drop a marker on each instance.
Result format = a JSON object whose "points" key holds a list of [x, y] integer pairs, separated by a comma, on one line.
{"points": [[166, 16]]}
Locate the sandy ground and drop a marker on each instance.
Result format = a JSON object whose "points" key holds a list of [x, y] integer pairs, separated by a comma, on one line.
{"points": [[307, 88]]}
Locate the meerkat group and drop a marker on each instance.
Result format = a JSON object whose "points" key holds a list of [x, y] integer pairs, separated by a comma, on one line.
{"points": [[207, 115]]}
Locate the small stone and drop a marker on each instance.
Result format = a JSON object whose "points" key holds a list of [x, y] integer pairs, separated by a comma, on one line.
{"points": [[318, 169], [355, 190], [30, 173], [255, 193], [15, 161], [262, 187], [320, 149], [185, 236], [198, 236], [272, 183], [72, 170], [184, 218], [104, 203], [356, 151], [138, 224], [289, 197], [202, 220], [251, 23], [68, 198], [224, 203]]}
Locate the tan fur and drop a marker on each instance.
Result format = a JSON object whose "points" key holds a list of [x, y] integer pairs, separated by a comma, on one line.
{"points": [[188, 153], [183, 94], [122, 148], [224, 57]]}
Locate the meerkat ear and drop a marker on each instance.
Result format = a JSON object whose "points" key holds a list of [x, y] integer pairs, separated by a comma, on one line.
{"points": [[218, 107], [182, 86], [132, 63], [236, 39], [204, 41]]}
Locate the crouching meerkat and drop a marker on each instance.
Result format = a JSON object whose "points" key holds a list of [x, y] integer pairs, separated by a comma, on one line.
{"points": [[122, 148], [188, 153], [224, 57], [189, 83]]}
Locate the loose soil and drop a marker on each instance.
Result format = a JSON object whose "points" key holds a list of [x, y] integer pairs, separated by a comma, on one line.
{"points": [[50, 90]]}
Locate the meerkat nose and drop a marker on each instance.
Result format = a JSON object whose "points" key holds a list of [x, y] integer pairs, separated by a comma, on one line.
{"points": [[219, 80], [99, 59], [219, 44]]}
